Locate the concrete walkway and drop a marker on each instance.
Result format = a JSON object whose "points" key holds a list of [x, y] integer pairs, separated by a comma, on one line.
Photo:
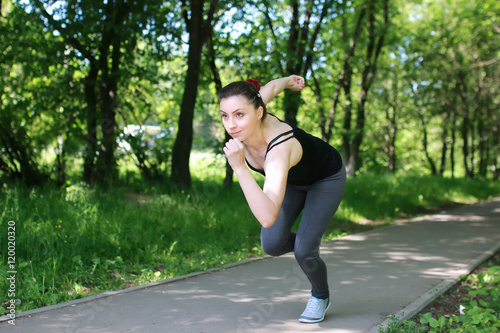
{"points": [[373, 275]]}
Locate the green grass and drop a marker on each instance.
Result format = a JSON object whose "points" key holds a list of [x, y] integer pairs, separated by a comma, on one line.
{"points": [[377, 197], [79, 240]]}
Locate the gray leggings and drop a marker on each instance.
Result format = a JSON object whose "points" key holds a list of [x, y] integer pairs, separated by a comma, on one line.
{"points": [[319, 203]]}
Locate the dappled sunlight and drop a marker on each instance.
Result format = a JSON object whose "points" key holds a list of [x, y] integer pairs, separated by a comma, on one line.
{"points": [[405, 256], [347, 282], [399, 247], [448, 218], [273, 278], [356, 238], [475, 240], [359, 262], [443, 272]]}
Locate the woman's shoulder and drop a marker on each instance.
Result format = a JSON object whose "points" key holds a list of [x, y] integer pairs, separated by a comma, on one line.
{"points": [[275, 126], [281, 145]]}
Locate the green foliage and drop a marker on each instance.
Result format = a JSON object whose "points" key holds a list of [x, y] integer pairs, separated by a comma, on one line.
{"points": [[482, 309], [442, 324], [480, 314], [383, 196], [48, 62], [30, 103], [396, 325]]}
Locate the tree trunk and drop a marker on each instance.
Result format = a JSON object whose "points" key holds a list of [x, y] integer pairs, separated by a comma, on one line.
{"points": [[444, 140], [347, 131], [465, 127], [112, 37], [184, 140], [483, 112], [392, 127], [368, 76], [319, 101], [228, 180], [344, 83], [453, 140], [60, 161], [300, 46], [496, 157], [91, 100], [484, 156], [199, 30], [425, 145], [293, 65]]}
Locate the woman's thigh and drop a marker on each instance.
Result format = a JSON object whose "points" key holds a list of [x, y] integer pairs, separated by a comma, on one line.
{"points": [[321, 204], [278, 239]]}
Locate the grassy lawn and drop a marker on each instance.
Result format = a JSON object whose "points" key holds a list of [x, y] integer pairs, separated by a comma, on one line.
{"points": [[81, 240]]}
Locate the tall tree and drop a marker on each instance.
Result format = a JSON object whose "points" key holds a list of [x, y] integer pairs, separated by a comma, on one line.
{"points": [[344, 80], [97, 33], [299, 53], [198, 15], [392, 108], [376, 36], [453, 54], [26, 76], [211, 59]]}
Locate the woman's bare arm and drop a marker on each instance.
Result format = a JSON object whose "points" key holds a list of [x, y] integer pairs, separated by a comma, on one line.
{"points": [[274, 87]]}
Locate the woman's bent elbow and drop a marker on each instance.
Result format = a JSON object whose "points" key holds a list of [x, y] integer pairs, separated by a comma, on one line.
{"points": [[267, 222]]}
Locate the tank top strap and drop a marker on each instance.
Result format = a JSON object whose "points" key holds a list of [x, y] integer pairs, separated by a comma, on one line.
{"points": [[273, 142]]}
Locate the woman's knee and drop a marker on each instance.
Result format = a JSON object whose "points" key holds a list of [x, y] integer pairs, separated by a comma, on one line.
{"points": [[307, 257], [277, 245], [273, 248], [309, 264]]}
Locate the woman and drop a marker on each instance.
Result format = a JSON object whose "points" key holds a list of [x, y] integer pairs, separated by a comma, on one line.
{"points": [[302, 173]]}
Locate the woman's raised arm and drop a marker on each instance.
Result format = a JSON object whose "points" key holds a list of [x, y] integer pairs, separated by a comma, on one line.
{"points": [[274, 87]]}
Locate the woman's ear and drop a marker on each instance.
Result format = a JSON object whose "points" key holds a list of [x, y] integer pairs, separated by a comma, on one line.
{"points": [[260, 112]]}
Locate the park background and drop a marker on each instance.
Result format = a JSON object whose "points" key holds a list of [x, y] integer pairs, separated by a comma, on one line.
{"points": [[111, 158]]}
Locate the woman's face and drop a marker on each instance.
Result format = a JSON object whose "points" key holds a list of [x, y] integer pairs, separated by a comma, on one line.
{"points": [[240, 118]]}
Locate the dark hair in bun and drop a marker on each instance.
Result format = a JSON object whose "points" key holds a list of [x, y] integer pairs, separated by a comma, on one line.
{"points": [[248, 89]]}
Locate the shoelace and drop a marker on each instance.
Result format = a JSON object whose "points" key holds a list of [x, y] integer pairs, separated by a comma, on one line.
{"points": [[313, 304]]}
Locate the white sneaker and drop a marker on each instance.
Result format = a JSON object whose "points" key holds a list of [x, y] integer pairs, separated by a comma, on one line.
{"points": [[315, 310]]}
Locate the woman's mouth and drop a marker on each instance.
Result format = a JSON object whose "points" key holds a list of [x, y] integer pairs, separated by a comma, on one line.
{"points": [[235, 133]]}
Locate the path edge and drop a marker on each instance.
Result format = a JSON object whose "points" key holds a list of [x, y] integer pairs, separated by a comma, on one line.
{"points": [[432, 294], [106, 294]]}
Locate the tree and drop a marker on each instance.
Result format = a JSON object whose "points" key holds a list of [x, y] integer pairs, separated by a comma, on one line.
{"points": [[199, 24], [299, 53], [353, 124], [98, 33], [211, 59], [453, 55], [27, 89], [375, 42]]}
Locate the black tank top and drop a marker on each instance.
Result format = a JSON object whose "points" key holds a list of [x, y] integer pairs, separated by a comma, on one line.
{"points": [[319, 159]]}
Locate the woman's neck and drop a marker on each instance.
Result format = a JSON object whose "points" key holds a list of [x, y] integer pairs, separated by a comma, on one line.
{"points": [[257, 142]]}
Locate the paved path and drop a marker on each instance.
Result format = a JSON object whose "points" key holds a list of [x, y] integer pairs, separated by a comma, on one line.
{"points": [[372, 275]]}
